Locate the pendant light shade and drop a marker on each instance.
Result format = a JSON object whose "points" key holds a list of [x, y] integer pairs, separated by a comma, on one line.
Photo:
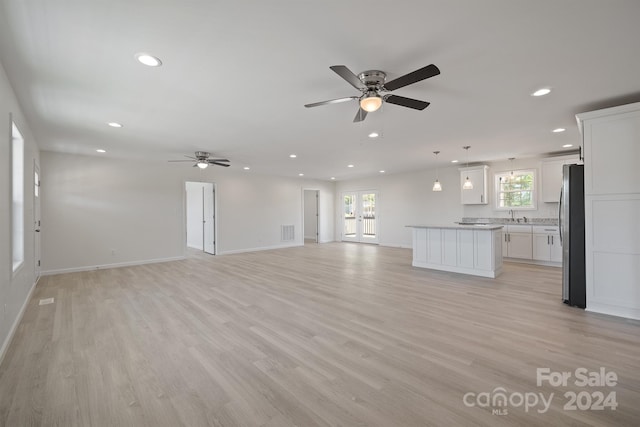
{"points": [[436, 184], [468, 185]]}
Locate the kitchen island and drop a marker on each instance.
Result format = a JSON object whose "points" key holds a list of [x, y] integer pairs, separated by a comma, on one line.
{"points": [[467, 249]]}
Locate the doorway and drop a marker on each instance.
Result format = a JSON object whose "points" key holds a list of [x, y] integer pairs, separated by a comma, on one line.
{"points": [[201, 218], [36, 221], [310, 215], [359, 218]]}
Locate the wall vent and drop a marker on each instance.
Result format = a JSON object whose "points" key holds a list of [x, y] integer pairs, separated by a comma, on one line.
{"points": [[287, 233]]}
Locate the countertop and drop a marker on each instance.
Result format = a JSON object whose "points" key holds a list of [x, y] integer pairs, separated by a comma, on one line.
{"points": [[460, 226]]}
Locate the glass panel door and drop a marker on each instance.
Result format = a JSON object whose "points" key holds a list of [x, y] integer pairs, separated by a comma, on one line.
{"points": [[359, 221], [349, 210]]}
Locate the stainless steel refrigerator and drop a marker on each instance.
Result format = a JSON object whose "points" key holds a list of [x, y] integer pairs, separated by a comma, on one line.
{"points": [[571, 222]]}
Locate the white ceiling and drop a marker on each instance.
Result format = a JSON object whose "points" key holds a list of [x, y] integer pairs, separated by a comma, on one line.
{"points": [[236, 75]]}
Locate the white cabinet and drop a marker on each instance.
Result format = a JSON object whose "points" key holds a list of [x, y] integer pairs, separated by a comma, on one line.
{"points": [[552, 177], [517, 242], [546, 244], [458, 249], [478, 194], [611, 139]]}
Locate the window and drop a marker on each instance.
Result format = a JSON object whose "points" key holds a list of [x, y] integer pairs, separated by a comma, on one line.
{"points": [[17, 193], [516, 190]]}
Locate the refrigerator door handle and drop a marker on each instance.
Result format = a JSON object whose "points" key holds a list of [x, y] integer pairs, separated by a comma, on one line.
{"points": [[560, 214]]}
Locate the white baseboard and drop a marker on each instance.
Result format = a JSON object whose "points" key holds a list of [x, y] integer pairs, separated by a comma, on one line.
{"points": [[263, 248], [392, 245], [114, 265], [14, 327]]}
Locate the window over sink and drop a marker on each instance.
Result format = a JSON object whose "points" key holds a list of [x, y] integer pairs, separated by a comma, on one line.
{"points": [[516, 189]]}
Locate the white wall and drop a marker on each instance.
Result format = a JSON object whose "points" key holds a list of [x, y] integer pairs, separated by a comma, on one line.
{"points": [[14, 288], [100, 211], [405, 199], [310, 222]]}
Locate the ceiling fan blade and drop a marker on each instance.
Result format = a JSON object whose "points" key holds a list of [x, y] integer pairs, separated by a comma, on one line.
{"points": [[179, 160], [226, 165], [218, 160], [348, 75], [360, 115], [406, 102], [414, 77], [189, 157], [331, 101]]}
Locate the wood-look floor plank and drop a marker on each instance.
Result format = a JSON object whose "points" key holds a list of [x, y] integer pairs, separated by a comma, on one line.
{"points": [[321, 335]]}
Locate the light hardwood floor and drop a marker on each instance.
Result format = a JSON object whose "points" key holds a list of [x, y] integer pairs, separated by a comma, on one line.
{"points": [[333, 334]]}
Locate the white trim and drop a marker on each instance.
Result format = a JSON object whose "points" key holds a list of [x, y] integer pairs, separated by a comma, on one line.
{"points": [[263, 248], [456, 269], [115, 265], [16, 323], [612, 310]]}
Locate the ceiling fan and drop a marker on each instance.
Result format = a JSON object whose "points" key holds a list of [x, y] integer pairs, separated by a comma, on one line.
{"points": [[373, 85], [203, 160]]}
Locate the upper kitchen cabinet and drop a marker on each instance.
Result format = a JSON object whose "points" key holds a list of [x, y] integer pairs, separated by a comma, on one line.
{"points": [[552, 177], [478, 176]]}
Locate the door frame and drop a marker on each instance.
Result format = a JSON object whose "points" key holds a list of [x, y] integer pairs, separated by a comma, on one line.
{"points": [[215, 216], [37, 217], [317, 191], [359, 232]]}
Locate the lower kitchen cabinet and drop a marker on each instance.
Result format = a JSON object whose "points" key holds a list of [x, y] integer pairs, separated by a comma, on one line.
{"points": [[546, 244], [517, 242]]}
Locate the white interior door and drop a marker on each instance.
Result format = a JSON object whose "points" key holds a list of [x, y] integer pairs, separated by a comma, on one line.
{"points": [[36, 220], [208, 218], [359, 217]]}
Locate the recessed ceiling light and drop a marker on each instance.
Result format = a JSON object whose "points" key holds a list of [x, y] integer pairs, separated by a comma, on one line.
{"points": [[567, 146], [454, 161], [381, 171], [100, 150], [300, 174], [333, 177], [374, 135], [558, 130], [293, 156], [149, 60], [114, 124], [349, 166], [541, 92], [246, 168]]}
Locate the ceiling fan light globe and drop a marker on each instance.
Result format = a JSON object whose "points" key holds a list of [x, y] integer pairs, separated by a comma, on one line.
{"points": [[203, 165], [371, 102]]}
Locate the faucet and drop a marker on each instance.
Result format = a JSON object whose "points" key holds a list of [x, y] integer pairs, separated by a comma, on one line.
{"points": [[512, 213], [524, 219]]}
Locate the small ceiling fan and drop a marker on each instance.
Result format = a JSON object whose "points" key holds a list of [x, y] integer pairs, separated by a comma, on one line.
{"points": [[203, 160], [373, 85]]}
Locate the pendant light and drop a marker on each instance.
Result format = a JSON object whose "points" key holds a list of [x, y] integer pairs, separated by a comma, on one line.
{"points": [[511, 159], [436, 184], [468, 185]]}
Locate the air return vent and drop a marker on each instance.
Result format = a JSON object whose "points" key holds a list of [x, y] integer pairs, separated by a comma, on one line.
{"points": [[287, 233]]}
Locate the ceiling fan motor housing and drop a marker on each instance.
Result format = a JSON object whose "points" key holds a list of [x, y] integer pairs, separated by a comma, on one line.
{"points": [[373, 79], [202, 155]]}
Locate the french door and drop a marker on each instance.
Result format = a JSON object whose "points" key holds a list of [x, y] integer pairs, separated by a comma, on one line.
{"points": [[359, 218]]}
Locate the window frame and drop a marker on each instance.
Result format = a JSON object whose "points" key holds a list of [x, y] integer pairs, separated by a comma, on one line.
{"points": [[18, 240], [533, 190]]}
